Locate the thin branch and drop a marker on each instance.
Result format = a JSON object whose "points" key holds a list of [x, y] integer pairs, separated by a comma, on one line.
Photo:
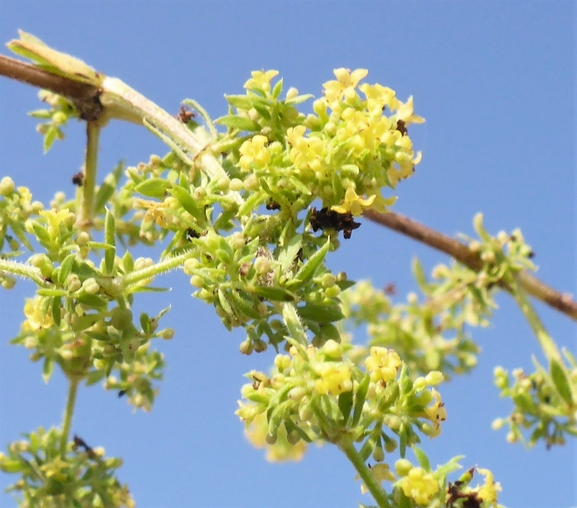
{"points": [[461, 252], [32, 75]]}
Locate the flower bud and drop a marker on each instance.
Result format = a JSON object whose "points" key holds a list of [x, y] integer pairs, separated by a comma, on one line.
{"points": [[402, 467], [6, 186]]}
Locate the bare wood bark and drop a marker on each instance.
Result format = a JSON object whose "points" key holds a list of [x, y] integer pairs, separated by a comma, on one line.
{"points": [[563, 302]]}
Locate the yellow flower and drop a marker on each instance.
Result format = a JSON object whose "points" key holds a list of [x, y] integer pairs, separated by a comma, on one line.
{"points": [[353, 203], [488, 492], [335, 378], [419, 485], [305, 153], [254, 151], [56, 217], [405, 113], [260, 79], [436, 413], [378, 97], [344, 86], [383, 364], [35, 320]]}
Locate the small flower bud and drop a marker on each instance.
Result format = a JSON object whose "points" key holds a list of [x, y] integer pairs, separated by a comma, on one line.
{"points": [[292, 92], [402, 467], [297, 393], [167, 334], [6, 186], [90, 286], [246, 347]]}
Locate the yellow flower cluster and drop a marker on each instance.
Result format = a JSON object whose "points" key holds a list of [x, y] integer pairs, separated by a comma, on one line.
{"points": [[419, 485], [383, 364], [254, 151]]}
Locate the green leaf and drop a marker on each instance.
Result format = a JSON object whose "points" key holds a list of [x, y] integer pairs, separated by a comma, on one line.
{"points": [[65, 268], [276, 91], [561, 382], [51, 292], [360, 398], [309, 269], [321, 313], [92, 301], [109, 238], [42, 234], [239, 101], [273, 294], [293, 323], [238, 122], [186, 200], [50, 137], [345, 405], [56, 311], [153, 187], [422, 458], [106, 190], [93, 377], [244, 305], [289, 254]]}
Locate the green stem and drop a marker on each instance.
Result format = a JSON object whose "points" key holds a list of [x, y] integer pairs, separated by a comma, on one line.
{"points": [[23, 270], [68, 413], [157, 269], [86, 207], [547, 343], [380, 496]]}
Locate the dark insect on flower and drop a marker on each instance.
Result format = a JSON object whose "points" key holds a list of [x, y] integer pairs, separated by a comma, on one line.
{"points": [[80, 443], [401, 127], [329, 219], [271, 204], [121, 393], [185, 115], [78, 179]]}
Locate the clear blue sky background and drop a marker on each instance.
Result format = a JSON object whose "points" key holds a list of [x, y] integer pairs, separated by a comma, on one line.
{"points": [[495, 81]]}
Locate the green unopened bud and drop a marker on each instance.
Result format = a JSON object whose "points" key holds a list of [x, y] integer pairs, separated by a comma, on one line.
{"points": [[246, 347], [42, 261], [306, 414], [90, 286], [297, 393], [332, 349], [167, 334], [293, 437], [6, 186], [134, 344], [402, 467], [270, 439], [8, 282], [378, 454], [434, 378]]}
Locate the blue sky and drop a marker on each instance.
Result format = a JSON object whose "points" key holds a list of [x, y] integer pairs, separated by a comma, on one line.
{"points": [[495, 81]]}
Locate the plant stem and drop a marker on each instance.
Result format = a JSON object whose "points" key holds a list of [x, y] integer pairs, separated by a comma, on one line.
{"points": [[156, 269], [86, 207], [68, 413], [347, 446], [23, 270], [547, 343]]}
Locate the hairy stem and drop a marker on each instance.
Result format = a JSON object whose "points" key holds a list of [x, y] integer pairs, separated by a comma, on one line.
{"points": [[69, 412], [23, 270]]}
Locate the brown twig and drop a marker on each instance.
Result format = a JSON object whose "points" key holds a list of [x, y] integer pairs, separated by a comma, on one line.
{"points": [[461, 252], [84, 96]]}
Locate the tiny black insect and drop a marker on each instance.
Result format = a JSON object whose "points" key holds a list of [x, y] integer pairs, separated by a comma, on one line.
{"points": [[78, 179]]}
